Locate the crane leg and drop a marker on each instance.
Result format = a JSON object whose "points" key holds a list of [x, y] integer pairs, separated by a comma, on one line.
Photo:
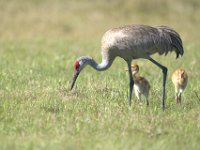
{"points": [[130, 84], [164, 70]]}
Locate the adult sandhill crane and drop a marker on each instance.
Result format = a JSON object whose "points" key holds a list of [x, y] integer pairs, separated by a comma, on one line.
{"points": [[179, 79], [141, 85], [132, 42]]}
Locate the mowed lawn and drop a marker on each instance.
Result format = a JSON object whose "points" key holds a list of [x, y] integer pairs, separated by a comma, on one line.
{"points": [[39, 42]]}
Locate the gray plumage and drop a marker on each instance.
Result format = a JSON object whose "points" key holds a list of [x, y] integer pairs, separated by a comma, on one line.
{"points": [[132, 42], [141, 41]]}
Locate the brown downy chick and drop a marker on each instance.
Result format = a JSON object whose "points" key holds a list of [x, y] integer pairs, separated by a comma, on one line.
{"points": [[141, 85], [179, 79]]}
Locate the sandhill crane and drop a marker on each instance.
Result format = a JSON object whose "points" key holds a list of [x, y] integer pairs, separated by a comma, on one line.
{"points": [[179, 79], [132, 42], [141, 85]]}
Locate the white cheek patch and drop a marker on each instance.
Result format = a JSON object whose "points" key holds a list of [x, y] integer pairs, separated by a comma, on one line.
{"points": [[81, 63]]}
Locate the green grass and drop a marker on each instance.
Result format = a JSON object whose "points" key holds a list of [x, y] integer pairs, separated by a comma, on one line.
{"points": [[39, 42]]}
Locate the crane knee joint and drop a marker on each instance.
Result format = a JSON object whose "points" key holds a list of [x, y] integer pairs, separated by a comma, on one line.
{"points": [[164, 70]]}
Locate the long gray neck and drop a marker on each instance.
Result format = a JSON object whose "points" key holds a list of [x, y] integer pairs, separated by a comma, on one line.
{"points": [[105, 64]]}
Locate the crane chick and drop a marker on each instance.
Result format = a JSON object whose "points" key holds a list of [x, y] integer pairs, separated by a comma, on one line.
{"points": [[141, 85], [179, 79]]}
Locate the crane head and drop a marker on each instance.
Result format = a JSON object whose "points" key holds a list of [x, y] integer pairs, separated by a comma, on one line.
{"points": [[76, 72], [79, 64]]}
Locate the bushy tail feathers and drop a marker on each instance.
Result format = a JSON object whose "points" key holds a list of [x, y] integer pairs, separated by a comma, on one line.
{"points": [[176, 41]]}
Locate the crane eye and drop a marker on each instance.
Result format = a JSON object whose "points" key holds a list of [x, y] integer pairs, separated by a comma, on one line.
{"points": [[76, 65]]}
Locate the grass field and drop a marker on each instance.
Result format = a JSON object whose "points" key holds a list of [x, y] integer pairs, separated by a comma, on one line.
{"points": [[39, 42]]}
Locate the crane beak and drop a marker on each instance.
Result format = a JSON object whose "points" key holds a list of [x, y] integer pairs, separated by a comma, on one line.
{"points": [[74, 79]]}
